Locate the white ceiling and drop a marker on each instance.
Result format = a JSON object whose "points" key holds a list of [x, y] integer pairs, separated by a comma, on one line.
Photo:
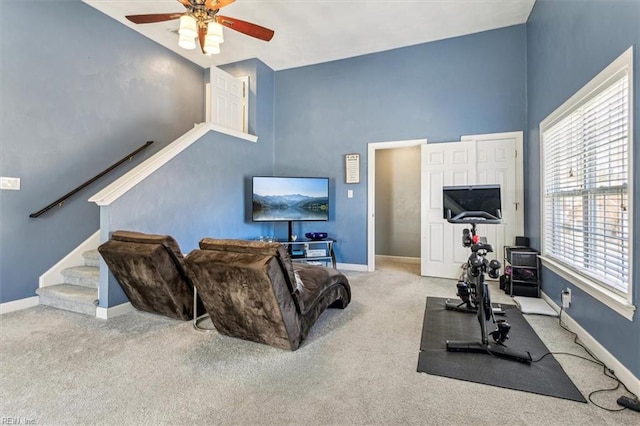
{"points": [[312, 31]]}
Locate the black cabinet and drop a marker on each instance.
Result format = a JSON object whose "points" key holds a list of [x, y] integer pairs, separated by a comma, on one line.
{"points": [[524, 276]]}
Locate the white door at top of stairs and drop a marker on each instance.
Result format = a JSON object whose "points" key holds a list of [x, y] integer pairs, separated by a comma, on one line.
{"points": [[227, 100], [479, 159]]}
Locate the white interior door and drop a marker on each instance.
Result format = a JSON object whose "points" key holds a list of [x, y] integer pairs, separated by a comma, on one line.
{"points": [[477, 159], [443, 164], [497, 161], [226, 100]]}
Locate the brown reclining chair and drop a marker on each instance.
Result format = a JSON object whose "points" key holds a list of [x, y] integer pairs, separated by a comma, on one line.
{"points": [[150, 270], [253, 291]]}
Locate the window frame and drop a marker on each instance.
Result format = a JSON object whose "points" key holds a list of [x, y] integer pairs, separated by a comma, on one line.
{"points": [[619, 302]]}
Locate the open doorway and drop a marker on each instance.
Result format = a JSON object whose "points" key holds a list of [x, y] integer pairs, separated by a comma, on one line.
{"points": [[494, 159], [394, 201]]}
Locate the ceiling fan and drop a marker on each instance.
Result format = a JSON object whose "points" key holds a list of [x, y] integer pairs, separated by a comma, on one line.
{"points": [[201, 21]]}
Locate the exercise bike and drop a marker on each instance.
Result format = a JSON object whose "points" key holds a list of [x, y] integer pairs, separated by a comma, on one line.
{"points": [[473, 289], [476, 264]]}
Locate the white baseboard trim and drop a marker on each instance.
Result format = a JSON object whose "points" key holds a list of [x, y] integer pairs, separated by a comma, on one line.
{"points": [[115, 311], [17, 305], [399, 259], [352, 267], [54, 275], [627, 377]]}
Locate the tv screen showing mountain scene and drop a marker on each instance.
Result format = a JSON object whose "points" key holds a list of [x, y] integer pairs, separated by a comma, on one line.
{"points": [[290, 199]]}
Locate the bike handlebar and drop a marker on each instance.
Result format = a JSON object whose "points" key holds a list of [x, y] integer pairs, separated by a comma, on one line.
{"points": [[475, 217]]}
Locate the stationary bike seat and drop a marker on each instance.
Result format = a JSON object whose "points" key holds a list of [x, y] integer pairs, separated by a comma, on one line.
{"points": [[482, 246]]}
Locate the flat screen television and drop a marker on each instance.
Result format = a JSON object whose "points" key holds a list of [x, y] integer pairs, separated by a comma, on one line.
{"points": [[471, 198], [279, 199]]}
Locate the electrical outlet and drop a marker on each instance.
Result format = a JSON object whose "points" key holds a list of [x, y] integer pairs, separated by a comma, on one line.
{"points": [[566, 298]]}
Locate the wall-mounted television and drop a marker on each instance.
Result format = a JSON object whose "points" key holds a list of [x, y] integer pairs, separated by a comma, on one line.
{"points": [[471, 198], [278, 199]]}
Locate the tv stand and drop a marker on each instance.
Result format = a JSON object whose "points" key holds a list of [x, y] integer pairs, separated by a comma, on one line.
{"points": [[290, 231], [312, 251]]}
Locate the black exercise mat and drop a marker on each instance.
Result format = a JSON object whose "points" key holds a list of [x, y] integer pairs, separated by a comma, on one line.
{"points": [[545, 377]]}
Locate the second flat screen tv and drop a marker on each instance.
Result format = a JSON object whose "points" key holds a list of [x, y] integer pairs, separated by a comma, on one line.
{"points": [[470, 198], [277, 199]]}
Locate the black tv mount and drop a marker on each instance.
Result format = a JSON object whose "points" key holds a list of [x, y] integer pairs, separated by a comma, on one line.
{"points": [[474, 291]]}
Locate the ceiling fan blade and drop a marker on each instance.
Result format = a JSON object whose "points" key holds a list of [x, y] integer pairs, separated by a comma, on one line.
{"points": [[245, 27], [153, 17], [201, 37], [217, 4]]}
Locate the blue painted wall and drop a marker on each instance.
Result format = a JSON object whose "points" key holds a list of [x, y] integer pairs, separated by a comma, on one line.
{"points": [[203, 194], [79, 92], [439, 91], [205, 190], [569, 43]]}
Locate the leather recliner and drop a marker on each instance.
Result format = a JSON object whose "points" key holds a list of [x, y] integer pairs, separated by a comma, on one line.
{"points": [[253, 291], [150, 270]]}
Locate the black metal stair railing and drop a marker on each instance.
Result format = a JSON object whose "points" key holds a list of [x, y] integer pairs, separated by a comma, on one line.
{"points": [[60, 201]]}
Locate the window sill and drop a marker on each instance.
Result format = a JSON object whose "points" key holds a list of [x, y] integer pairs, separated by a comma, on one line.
{"points": [[618, 303]]}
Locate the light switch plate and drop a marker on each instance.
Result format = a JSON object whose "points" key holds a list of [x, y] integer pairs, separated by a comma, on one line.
{"points": [[11, 183], [350, 193]]}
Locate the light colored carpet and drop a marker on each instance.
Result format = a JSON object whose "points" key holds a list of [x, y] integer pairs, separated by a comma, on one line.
{"points": [[358, 366]]}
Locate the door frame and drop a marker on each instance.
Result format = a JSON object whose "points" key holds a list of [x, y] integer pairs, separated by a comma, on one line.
{"points": [[372, 147]]}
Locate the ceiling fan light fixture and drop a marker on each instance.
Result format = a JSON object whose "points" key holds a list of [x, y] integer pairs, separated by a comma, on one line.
{"points": [[214, 32], [211, 48], [188, 26], [186, 42], [200, 25]]}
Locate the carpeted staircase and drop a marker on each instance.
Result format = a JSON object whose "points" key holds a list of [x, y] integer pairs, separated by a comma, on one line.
{"points": [[79, 290]]}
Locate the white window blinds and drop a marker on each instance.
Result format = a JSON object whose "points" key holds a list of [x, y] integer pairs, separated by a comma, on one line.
{"points": [[586, 173]]}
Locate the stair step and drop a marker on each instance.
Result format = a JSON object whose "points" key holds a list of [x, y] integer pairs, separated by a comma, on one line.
{"points": [[70, 297], [86, 276], [91, 258]]}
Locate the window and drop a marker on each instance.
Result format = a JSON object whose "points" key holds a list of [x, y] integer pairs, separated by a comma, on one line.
{"points": [[586, 172]]}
